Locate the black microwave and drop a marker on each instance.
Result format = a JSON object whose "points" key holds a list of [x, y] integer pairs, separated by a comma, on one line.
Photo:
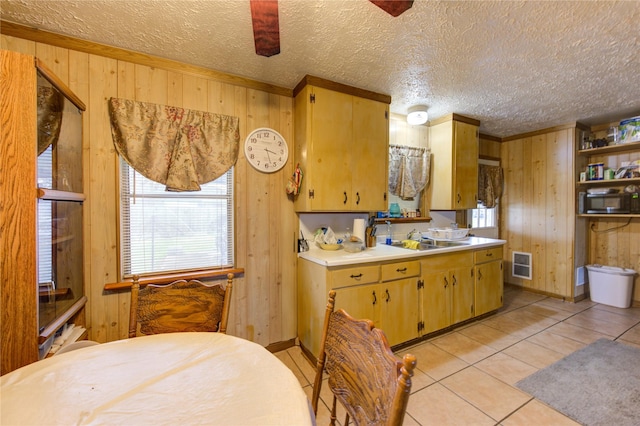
{"points": [[617, 203]]}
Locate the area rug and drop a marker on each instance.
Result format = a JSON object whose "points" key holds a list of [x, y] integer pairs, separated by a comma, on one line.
{"points": [[596, 385]]}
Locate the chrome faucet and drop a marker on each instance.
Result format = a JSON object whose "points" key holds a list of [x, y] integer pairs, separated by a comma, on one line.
{"points": [[411, 234]]}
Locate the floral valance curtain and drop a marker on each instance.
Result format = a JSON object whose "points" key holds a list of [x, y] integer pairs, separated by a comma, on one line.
{"points": [[490, 181], [177, 147], [408, 170]]}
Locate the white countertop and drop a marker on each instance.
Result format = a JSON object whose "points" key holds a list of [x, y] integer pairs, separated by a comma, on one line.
{"points": [[382, 252]]}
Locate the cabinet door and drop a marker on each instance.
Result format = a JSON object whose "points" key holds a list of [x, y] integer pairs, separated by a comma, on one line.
{"points": [[361, 302], [399, 308], [454, 146], [370, 159], [436, 300], [489, 286], [330, 153], [462, 294], [466, 165]]}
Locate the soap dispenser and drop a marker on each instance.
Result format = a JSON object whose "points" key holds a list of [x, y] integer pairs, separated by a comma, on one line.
{"points": [[388, 233]]}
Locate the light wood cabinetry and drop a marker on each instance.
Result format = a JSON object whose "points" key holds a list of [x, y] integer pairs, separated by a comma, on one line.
{"points": [[385, 293], [341, 145], [489, 282], [448, 294], [454, 142], [42, 284], [406, 299]]}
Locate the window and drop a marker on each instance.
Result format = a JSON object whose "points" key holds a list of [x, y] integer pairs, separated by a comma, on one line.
{"points": [[483, 217], [174, 231]]}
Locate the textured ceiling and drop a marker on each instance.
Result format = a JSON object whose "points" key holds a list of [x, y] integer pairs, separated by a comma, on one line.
{"points": [[516, 66]]}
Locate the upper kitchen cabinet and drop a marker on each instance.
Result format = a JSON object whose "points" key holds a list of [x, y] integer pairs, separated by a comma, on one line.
{"points": [[454, 143], [341, 145]]}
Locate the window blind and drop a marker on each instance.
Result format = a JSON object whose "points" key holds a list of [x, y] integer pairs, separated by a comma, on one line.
{"points": [[163, 231]]}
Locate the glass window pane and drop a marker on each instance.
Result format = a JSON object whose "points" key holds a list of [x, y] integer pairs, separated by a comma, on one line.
{"points": [[60, 278], [175, 231]]}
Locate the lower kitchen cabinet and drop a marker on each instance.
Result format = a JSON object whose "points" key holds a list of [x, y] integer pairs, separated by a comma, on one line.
{"points": [[448, 290], [406, 299], [385, 293], [489, 279]]}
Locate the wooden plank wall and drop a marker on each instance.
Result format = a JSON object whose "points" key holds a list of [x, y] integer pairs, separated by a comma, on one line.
{"points": [[537, 208], [537, 215], [263, 308]]}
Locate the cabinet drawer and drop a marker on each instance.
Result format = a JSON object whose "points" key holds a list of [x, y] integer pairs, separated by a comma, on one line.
{"points": [[400, 270], [487, 255], [354, 276]]}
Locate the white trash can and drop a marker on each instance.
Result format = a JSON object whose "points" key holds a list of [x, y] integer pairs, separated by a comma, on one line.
{"points": [[611, 285]]}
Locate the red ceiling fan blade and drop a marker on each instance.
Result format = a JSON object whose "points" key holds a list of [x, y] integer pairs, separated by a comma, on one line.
{"points": [[266, 27], [393, 7]]}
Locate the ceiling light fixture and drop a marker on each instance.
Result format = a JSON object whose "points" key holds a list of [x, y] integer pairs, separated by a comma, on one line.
{"points": [[417, 115]]}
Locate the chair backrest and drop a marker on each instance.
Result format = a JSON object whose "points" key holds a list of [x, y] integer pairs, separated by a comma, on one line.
{"points": [[179, 306], [364, 374]]}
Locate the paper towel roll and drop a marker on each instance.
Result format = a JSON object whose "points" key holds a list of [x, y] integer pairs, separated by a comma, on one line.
{"points": [[358, 228]]}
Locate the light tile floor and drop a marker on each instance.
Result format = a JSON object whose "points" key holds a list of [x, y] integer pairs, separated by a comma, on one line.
{"points": [[468, 376]]}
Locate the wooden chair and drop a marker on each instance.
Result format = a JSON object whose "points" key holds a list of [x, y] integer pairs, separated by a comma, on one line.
{"points": [[179, 306], [364, 374]]}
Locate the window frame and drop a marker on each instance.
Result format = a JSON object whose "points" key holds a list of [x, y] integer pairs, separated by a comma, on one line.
{"points": [[123, 241], [495, 210]]}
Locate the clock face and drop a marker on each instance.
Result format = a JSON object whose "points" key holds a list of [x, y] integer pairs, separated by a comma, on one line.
{"points": [[266, 150]]}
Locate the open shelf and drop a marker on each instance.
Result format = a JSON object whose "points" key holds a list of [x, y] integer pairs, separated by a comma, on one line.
{"points": [[403, 219], [625, 215], [612, 148], [610, 182]]}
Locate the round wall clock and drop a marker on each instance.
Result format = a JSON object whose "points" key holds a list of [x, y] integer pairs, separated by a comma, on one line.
{"points": [[266, 150]]}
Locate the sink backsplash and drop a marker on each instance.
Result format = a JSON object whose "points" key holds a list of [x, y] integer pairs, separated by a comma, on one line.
{"points": [[341, 222]]}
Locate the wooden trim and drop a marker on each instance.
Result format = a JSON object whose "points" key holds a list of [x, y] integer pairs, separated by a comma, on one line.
{"points": [[309, 355], [281, 346], [544, 131], [489, 158], [59, 84], [310, 80], [55, 195], [53, 39], [167, 278], [490, 138], [62, 320], [455, 117]]}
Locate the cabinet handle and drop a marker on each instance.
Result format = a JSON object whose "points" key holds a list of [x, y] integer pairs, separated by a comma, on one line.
{"points": [[401, 270], [446, 282], [489, 254], [388, 295], [345, 197], [357, 198], [355, 277], [455, 280], [459, 198], [375, 299], [479, 274]]}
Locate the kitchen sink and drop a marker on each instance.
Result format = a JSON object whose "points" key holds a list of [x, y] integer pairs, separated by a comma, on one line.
{"points": [[427, 244]]}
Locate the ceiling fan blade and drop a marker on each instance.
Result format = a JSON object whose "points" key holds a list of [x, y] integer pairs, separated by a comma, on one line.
{"points": [[393, 7], [266, 27]]}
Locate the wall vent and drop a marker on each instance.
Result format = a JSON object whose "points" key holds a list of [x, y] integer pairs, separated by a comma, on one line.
{"points": [[521, 263]]}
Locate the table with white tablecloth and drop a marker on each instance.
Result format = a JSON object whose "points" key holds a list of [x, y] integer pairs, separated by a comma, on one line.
{"points": [[176, 378]]}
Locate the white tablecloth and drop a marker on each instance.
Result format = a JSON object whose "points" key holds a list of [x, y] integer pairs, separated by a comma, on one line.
{"points": [[177, 379]]}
